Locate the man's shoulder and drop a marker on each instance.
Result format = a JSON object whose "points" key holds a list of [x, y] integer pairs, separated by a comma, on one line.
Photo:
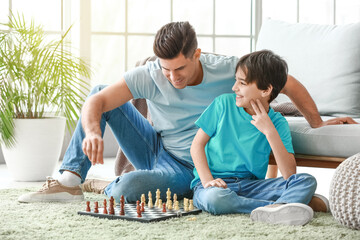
{"points": [[217, 59]]}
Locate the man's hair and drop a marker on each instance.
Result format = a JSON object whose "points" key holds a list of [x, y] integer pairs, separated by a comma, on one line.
{"points": [[264, 68], [175, 38]]}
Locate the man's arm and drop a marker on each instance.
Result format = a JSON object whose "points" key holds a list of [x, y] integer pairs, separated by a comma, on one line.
{"points": [[306, 105], [107, 99], [285, 160], [198, 155]]}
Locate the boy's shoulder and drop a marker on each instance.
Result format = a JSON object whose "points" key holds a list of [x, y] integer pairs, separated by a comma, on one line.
{"points": [[278, 120], [225, 99]]}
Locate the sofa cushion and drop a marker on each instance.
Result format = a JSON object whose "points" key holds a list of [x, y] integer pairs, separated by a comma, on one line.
{"points": [[333, 140], [324, 58]]}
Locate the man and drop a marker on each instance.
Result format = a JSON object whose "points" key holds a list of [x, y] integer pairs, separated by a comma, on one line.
{"points": [[178, 87]]}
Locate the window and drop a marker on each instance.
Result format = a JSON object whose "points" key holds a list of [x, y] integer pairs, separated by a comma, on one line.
{"points": [[122, 32], [114, 34], [310, 11]]}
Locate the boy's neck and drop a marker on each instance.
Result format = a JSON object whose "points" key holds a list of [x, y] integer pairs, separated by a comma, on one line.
{"points": [[251, 111]]}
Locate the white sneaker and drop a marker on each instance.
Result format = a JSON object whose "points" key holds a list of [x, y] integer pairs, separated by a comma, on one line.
{"points": [[297, 214], [53, 191]]}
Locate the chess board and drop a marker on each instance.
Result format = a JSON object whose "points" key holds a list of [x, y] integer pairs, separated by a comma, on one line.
{"points": [[149, 215]]}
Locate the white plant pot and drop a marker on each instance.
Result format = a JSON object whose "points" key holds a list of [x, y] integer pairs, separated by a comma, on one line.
{"points": [[37, 149]]}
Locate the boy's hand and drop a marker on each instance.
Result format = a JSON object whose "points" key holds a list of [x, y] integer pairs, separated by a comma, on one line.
{"points": [[215, 183], [261, 119]]}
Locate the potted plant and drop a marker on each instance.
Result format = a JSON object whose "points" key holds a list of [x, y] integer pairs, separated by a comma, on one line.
{"points": [[42, 90]]}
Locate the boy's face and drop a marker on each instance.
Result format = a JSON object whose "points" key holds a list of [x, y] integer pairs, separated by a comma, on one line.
{"points": [[182, 71], [245, 92]]}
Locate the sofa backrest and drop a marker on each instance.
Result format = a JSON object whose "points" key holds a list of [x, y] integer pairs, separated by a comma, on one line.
{"points": [[324, 58]]}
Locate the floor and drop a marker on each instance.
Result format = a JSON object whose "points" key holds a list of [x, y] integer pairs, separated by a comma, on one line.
{"points": [[106, 172]]}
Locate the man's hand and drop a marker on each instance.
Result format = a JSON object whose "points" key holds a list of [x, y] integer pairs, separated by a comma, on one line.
{"points": [[218, 182], [335, 121], [261, 119], [93, 147]]}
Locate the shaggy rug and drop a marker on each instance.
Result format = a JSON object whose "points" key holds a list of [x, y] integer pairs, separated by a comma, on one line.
{"points": [[61, 221]]}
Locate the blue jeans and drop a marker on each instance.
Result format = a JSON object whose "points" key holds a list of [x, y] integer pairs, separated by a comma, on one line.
{"points": [[142, 145], [244, 195]]}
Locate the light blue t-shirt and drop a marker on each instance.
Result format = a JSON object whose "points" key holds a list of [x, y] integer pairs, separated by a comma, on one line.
{"points": [[236, 147], [174, 111]]}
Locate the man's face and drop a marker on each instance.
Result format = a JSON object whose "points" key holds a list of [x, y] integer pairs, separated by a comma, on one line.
{"points": [[181, 71]]}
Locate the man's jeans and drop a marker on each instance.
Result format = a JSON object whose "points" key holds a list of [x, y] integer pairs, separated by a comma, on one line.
{"points": [[142, 145], [244, 195]]}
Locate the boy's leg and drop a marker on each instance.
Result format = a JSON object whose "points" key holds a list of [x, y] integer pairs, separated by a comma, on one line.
{"points": [[298, 188], [218, 201], [135, 135], [245, 195]]}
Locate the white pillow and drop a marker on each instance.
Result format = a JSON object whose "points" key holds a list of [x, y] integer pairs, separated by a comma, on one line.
{"points": [[324, 58]]}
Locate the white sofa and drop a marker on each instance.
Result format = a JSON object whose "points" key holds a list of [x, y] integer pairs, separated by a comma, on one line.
{"points": [[326, 60]]}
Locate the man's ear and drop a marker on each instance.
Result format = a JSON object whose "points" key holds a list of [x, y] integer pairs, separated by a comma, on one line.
{"points": [[267, 92], [197, 53]]}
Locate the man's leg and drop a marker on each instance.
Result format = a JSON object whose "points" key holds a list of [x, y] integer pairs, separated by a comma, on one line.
{"points": [[166, 172], [131, 129]]}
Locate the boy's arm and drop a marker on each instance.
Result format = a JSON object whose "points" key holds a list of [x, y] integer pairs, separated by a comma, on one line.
{"points": [[198, 155], [284, 159], [306, 105]]}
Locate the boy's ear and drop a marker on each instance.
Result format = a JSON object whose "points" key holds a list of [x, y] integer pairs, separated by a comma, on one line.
{"points": [[267, 92]]}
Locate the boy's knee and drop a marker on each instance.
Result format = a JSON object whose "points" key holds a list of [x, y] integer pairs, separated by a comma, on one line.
{"points": [[308, 180], [217, 201]]}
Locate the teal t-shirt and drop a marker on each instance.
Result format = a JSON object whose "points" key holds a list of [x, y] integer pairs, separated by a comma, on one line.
{"points": [[174, 111], [236, 147]]}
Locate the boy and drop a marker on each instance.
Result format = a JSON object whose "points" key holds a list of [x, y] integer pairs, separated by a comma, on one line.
{"points": [[232, 146]]}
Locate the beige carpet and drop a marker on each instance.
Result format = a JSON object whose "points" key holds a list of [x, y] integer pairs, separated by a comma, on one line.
{"points": [[61, 221]]}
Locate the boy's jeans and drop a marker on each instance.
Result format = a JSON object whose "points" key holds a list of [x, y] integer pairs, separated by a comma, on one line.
{"points": [[244, 195], [156, 168]]}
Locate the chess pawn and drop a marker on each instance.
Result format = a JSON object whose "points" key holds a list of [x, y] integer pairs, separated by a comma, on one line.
{"points": [[96, 208], [88, 206], [186, 208], [176, 205], [191, 205], [160, 204], [170, 205], [105, 207], [186, 204]]}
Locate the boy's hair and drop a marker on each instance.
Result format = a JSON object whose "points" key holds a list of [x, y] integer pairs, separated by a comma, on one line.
{"points": [[264, 68], [175, 38]]}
